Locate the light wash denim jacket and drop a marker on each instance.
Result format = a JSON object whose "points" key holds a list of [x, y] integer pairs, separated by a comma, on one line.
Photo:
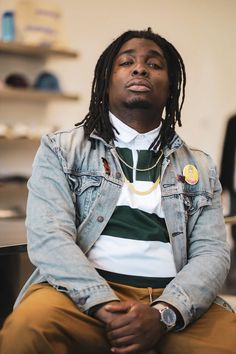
{"points": [[72, 197]]}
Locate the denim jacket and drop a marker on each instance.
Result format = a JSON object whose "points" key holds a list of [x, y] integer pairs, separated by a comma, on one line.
{"points": [[72, 195]]}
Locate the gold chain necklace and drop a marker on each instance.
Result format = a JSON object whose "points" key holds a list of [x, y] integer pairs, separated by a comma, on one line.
{"points": [[131, 185], [136, 191], [135, 168]]}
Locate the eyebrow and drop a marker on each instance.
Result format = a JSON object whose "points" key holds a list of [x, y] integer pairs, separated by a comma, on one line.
{"points": [[152, 53]]}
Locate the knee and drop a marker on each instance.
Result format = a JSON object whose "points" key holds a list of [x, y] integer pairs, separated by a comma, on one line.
{"points": [[23, 321], [19, 323], [24, 330]]}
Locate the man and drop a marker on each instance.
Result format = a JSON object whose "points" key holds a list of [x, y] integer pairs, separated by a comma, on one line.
{"points": [[125, 223]]}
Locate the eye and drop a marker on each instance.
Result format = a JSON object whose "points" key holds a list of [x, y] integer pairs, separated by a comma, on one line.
{"points": [[155, 66], [126, 63]]}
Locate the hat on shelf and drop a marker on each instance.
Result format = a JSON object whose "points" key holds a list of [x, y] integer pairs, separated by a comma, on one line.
{"points": [[17, 80], [47, 81]]}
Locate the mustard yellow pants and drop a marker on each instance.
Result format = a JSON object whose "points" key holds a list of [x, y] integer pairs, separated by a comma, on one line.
{"points": [[48, 322]]}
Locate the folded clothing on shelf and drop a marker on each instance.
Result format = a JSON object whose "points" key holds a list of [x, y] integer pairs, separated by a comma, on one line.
{"points": [[27, 131]]}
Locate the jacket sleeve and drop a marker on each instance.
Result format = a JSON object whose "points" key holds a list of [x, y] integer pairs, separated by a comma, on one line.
{"points": [[197, 284], [52, 233]]}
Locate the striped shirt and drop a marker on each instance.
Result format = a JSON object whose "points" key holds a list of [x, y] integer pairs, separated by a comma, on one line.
{"points": [[134, 247]]}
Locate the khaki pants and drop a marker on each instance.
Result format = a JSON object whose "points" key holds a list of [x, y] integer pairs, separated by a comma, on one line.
{"points": [[48, 322]]}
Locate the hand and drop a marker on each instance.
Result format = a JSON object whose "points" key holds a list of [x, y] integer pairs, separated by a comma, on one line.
{"points": [[105, 316], [136, 329]]}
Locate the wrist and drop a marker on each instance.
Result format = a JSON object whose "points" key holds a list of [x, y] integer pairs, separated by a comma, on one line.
{"points": [[93, 310], [169, 315]]}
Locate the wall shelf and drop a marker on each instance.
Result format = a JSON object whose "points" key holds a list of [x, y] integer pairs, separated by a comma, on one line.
{"points": [[11, 214], [19, 142], [16, 48], [13, 179], [230, 219], [37, 95], [12, 138]]}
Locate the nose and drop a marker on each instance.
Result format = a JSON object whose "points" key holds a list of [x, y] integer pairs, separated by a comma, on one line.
{"points": [[140, 70]]}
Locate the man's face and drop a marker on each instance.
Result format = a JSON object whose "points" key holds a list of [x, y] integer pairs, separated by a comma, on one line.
{"points": [[139, 77]]}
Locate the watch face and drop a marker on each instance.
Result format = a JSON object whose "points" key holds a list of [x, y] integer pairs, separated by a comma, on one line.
{"points": [[168, 317]]}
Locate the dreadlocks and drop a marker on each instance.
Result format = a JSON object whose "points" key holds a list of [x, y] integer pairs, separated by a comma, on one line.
{"points": [[98, 115]]}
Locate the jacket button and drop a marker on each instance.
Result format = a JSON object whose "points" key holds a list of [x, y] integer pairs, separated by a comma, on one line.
{"points": [[100, 218], [118, 175]]}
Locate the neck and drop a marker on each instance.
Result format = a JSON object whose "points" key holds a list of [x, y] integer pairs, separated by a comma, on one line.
{"points": [[141, 120]]}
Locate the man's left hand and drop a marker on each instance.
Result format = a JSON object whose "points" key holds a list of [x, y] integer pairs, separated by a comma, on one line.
{"points": [[137, 330]]}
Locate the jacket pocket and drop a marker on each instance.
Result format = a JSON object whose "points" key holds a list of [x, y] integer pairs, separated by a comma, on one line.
{"points": [[86, 189], [86, 182]]}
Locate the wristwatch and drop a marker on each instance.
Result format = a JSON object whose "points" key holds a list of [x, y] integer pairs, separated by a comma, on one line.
{"points": [[168, 316]]}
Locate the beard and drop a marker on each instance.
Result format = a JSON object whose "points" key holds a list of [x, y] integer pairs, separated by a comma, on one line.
{"points": [[137, 103]]}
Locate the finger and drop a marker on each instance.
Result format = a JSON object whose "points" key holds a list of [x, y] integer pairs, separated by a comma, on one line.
{"points": [[131, 349], [120, 333], [119, 306], [120, 322], [123, 341]]}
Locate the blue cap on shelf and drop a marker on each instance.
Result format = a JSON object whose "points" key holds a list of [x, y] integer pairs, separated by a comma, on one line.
{"points": [[47, 81]]}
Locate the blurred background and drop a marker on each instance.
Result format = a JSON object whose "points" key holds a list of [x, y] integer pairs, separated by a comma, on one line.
{"points": [[48, 51]]}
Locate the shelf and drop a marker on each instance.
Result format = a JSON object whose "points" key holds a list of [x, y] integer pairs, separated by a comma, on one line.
{"points": [[9, 214], [230, 219], [35, 51], [14, 179], [37, 95], [10, 138]]}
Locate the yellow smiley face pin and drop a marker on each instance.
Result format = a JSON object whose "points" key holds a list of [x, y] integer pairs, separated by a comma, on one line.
{"points": [[191, 174]]}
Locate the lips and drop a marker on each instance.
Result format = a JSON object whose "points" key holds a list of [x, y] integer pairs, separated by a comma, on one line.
{"points": [[139, 86]]}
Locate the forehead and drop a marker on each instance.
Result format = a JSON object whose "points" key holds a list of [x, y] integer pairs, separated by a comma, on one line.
{"points": [[142, 45]]}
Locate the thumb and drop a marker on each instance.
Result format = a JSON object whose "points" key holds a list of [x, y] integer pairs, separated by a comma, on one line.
{"points": [[123, 306]]}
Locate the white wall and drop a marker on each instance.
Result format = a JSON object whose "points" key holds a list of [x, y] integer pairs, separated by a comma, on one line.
{"points": [[202, 30]]}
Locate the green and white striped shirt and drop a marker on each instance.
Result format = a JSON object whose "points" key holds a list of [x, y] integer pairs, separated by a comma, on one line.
{"points": [[134, 247]]}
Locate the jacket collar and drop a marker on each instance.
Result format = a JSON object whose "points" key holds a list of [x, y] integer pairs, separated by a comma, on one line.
{"points": [[175, 144]]}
